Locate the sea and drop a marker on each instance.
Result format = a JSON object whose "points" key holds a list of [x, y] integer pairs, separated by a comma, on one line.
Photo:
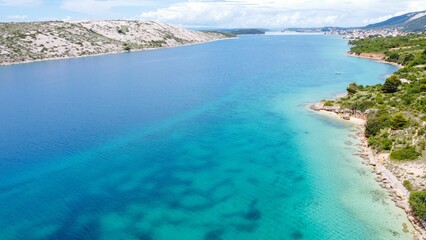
{"points": [[207, 141]]}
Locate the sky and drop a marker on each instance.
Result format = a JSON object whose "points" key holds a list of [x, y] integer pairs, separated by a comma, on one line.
{"points": [[214, 14]]}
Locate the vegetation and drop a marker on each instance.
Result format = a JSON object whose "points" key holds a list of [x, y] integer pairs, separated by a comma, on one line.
{"points": [[407, 184], [352, 88], [126, 47], [418, 203], [226, 34], [328, 103], [376, 122], [401, 49], [391, 84], [123, 30], [404, 154], [396, 110], [398, 122]]}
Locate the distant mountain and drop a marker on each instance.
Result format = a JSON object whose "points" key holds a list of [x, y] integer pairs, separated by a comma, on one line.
{"points": [[244, 31], [410, 22]]}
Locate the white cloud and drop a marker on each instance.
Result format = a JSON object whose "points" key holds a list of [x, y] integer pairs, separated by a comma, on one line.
{"points": [[414, 6], [278, 13], [94, 7], [67, 19], [379, 19], [17, 17], [27, 3]]}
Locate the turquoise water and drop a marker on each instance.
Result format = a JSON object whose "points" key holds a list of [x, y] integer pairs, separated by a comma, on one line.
{"points": [[208, 141]]}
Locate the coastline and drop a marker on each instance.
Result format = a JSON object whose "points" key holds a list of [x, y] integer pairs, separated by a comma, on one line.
{"points": [[374, 57], [386, 178], [2, 64]]}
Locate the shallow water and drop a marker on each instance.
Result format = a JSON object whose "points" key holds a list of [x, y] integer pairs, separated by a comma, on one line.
{"points": [[208, 141]]}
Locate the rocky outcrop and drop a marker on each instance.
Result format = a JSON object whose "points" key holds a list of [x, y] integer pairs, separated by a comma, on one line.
{"points": [[26, 42]]}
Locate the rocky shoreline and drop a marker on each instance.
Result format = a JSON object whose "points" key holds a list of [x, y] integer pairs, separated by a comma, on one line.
{"points": [[385, 175], [41, 41], [107, 53]]}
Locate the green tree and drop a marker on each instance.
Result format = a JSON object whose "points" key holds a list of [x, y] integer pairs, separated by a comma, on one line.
{"points": [[394, 57], [391, 84], [386, 144], [352, 88], [375, 123], [399, 122], [408, 58], [418, 203]]}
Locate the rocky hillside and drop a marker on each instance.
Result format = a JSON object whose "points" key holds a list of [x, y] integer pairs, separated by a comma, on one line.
{"points": [[410, 22], [25, 42]]}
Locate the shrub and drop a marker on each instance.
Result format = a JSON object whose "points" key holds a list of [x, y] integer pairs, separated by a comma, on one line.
{"points": [[394, 57], [386, 144], [422, 145], [391, 84], [408, 58], [352, 88], [328, 103], [407, 184], [399, 122], [127, 48], [421, 59], [405, 154], [372, 142], [418, 204], [376, 123], [361, 105]]}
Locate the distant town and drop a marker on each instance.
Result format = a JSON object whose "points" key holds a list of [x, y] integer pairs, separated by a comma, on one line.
{"points": [[366, 33], [414, 22], [354, 33]]}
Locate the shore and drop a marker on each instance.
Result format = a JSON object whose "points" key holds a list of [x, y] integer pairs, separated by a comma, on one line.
{"points": [[2, 64], [374, 56], [386, 178], [352, 120]]}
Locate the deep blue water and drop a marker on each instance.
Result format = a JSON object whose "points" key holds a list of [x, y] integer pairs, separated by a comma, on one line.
{"points": [[209, 141]]}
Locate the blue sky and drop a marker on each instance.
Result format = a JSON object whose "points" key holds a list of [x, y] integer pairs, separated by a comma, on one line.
{"points": [[222, 13]]}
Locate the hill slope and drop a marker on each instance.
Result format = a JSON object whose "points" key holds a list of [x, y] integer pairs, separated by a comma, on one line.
{"points": [[23, 42], [410, 22], [395, 113]]}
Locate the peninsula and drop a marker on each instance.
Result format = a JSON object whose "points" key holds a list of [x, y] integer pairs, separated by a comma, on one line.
{"points": [[36, 41]]}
